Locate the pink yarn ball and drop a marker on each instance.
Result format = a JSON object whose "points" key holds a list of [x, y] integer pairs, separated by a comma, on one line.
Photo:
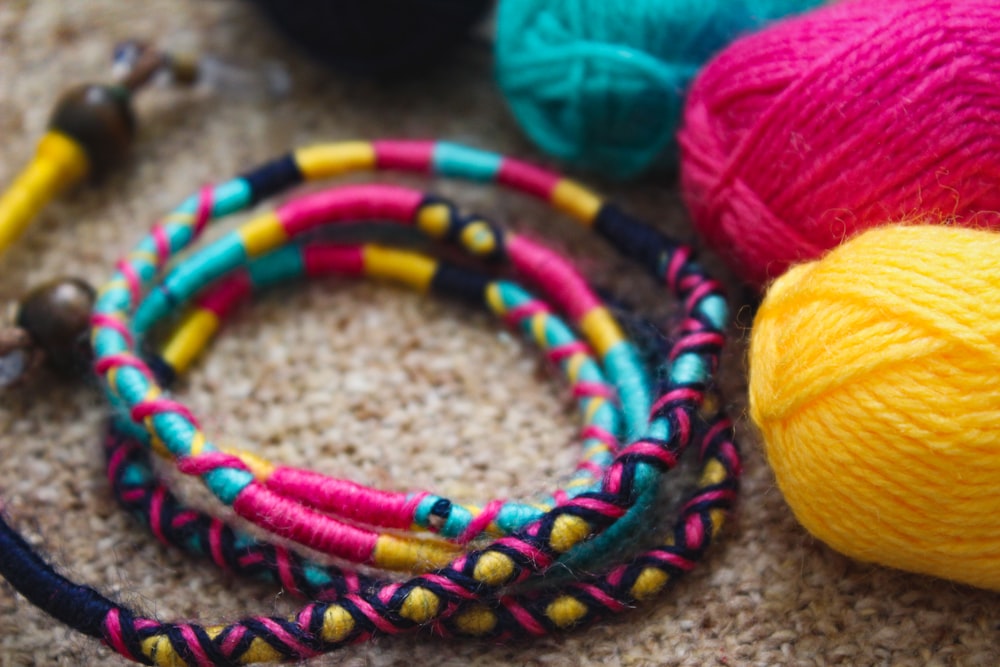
{"points": [[858, 114]]}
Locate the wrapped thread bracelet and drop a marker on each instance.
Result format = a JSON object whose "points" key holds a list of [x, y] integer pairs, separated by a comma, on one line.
{"points": [[464, 596]]}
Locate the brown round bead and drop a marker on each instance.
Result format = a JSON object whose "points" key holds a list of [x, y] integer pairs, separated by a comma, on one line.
{"points": [[57, 317], [100, 119]]}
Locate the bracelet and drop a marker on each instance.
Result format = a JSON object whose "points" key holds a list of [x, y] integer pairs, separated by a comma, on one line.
{"points": [[137, 490], [288, 497], [447, 597], [338, 499]]}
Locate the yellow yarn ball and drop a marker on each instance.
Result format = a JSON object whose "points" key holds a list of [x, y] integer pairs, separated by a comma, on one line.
{"points": [[875, 381]]}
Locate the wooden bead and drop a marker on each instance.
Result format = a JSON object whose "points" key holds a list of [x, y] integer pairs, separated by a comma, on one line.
{"points": [[57, 317], [100, 119]]}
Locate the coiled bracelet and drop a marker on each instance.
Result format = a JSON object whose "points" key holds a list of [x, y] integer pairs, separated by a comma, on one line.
{"points": [[490, 590]]}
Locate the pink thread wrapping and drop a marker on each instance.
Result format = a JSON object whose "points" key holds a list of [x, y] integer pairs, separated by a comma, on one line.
{"points": [[677, 263], [674, 559], [563, 352], [209, 461], [283, 636], [129, 360], [602, 597], [294, 522], [100, 320], [155, 507], [699, 293], [203, 214], [343, 497], [194, 645], [524, 618], [132, 279], [847, 117], [364, 202], [233, 640], [594, 390], [162, 242], [321, 260], [528, 178], [694, 531], [514, 316], [482, 521], [372, 615], [598, 433], [693, 341], [113, 630], [228, 293], [557, 277], [680, 394], [157, 406], [406, 155]]}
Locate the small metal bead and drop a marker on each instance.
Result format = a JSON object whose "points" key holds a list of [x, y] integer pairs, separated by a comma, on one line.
{"points": [[100, 119], [57, 317]]}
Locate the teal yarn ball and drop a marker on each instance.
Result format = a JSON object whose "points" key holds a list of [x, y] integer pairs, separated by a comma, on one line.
{"points": [[600, 83]]}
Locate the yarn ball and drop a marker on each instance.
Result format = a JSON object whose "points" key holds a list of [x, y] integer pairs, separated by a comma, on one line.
{"points": [[874, 382], [861, 112], [600, 83], [381, 38]]}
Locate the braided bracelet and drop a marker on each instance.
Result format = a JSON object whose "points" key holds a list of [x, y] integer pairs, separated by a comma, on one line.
{"points": [[443, 596]]}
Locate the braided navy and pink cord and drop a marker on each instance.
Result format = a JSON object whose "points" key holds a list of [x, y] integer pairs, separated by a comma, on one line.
{"points": [[497, 589]]}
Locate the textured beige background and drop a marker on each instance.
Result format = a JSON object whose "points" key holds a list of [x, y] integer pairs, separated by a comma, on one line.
{"points": [[378, 385]]}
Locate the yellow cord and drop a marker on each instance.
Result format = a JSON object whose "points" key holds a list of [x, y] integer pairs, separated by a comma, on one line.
{"points": [[58, 163]]}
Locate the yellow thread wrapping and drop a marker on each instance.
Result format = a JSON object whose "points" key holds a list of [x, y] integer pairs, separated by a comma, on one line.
{"points": [[408, 268], [594, 404], [568, 531], [573, 366], [197, 443], [262, 235], [260, 651], [420, 606], [476, 621], [565, 610], [161, 652], [718, 518], [159, 448], [259, 466], [434, 220], [400, 553], [190, 338], [59, 162], [494, 299], [601, 329], [328, 160], [649, 582], [144, 256], [538, 332], [337, 624], [493, 568], [577, 201], [713, 473]]}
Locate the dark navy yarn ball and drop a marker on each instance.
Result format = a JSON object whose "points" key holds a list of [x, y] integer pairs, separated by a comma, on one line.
{"points": [[382, 38]]}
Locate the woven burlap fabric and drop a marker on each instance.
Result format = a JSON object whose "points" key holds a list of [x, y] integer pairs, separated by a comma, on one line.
{"points": [[382, 386]]}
